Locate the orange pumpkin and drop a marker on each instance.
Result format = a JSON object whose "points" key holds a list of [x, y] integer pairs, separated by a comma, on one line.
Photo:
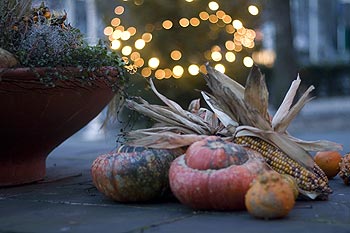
{"points": [[214, 174], [328, 161], [270, 196]]}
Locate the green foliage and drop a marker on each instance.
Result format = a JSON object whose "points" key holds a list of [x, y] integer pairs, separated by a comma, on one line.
{"points": [[40, 39]]}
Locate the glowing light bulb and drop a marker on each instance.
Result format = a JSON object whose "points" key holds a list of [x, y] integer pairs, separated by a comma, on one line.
{"points": [[146, 72], [175, 55], [220, 67], [153, 62], [167, 24], [119, 10], [193, 69], [132, 30], [140, 44], [115, 44], [237, 24], [248, 61], [108, 31], [204, 15], [184, 22], [126, 50], [213, 5], [230, 57], [159, 74], [216, 56], [115, 22], [147, 37], [178, 71], [253, 10], [125, 35], [116, 34]]}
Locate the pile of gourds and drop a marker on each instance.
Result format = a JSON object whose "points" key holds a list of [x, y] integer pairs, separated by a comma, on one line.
{"points": [[211, 174]]}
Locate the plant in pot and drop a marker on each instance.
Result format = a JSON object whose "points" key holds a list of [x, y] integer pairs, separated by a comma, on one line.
{"points": [[52, 83]]}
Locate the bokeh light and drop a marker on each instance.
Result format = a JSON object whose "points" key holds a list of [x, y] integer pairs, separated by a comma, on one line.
{"points": [[216, 56], [126, 50], [248, 61], [253, 10], [153, 62], [193, 69], [146, 72], [184, 22], [230, 56], [220, 67], [178, 71], [237, 24], [108, 31], [167, 24], [140, 44], [204, 15], [213, 5], [220, 24], [115, 44], [147, 37], [175, 55], [119, 10]]}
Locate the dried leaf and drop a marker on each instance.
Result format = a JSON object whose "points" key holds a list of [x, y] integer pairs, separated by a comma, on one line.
{"points": [[319, 145], [176, 108], [231, 100], [286, 104], [194, 106], [225, 119], [294, 111], [165, 115], [166, 140], [225, 80], [256, 94]]}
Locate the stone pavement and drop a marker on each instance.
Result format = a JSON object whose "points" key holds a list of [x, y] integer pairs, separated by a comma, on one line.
{"points": [[66, 201]]}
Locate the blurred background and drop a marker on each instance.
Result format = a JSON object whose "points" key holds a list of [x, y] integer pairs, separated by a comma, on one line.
{"points": [[171, 40]]}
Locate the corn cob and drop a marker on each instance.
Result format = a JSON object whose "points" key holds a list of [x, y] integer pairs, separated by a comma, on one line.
{"points": [[310, 181]]}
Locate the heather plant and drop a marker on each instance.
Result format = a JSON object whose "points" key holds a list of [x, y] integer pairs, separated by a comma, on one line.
{"points": [[39, 38]]}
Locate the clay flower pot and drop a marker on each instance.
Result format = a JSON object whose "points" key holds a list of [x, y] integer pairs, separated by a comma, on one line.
{"points": [[35, 118]]}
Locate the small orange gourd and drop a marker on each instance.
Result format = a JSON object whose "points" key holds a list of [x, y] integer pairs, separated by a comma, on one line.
{"points": [[270, 196], [328, 161]]}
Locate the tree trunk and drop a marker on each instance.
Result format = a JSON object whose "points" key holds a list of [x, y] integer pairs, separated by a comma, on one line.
{"points": [[285, 67]]}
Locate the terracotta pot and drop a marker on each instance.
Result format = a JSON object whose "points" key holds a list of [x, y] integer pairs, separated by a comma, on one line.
{"points": [[35, 118]]}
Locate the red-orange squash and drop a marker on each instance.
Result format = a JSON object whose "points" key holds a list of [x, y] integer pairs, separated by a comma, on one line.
{"points": [[214, 174], [133, 174]]}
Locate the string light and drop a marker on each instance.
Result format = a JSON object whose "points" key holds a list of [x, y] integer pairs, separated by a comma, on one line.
{"points": [[242, 37], [126, 50], [153, 62], [220, 67], [213, 5], [115, 44], [248, 61], [237, 24], [193, 69], [178, 71], [253, 10], [175, 55], [119, 10]]}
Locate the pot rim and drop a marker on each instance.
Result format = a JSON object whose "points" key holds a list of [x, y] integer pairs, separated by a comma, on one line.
{"points": [[110, 76]]}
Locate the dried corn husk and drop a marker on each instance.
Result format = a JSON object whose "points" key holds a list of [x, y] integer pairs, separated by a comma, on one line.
{"points": [[235, 111]]}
